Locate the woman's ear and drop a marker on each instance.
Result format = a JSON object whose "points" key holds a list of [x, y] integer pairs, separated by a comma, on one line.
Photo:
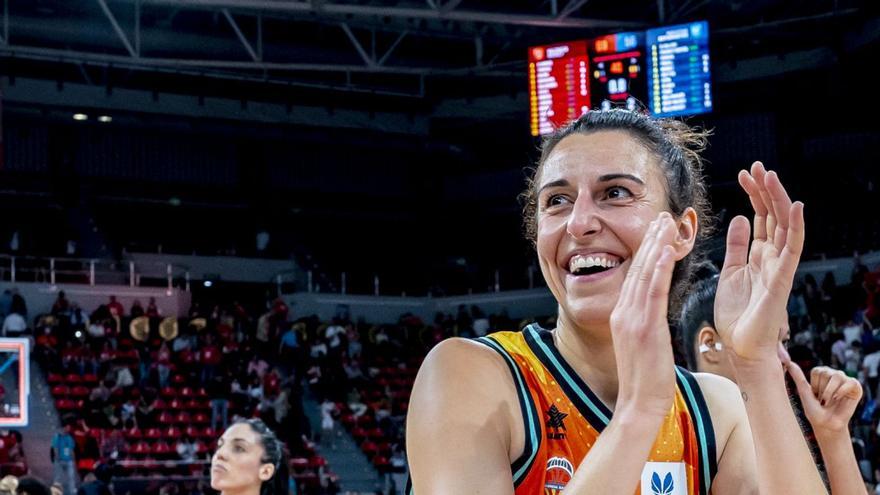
{"points": [[266, 471], [687, 224], [709, 345]]}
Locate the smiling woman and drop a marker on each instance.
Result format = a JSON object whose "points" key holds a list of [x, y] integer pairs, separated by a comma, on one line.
{"points": [[616, 210], [249, 460]]}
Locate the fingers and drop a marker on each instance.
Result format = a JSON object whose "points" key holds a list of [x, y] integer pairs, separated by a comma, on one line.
{"points": [[759, 174], [635, 268], [805, 391], [645, 286], [747, 182], [834, 383], [819, 377], [737, 253], [830, 385], [790, 255], [781, 205], [658, 290]]}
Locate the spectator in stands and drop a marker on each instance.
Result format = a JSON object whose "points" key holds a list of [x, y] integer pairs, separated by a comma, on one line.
{"points": [[219, 391], [61, 305], [115, 307], [152, 309], [333, 335], [62, 456], [5, 302], [136, 309], [257, 366], [113, 444], [187, 449], [870, 366], [328, 423], [93, 486], [249, 459], [8, 485], [28, 485], [288, 349], [210, 358], [14, 325], [18, 304], [481, 323], [78, 319], [16, 451]]}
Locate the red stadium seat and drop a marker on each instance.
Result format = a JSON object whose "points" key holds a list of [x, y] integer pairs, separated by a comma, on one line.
{"points": [[201, 418], [186, 392], [80, 391], [54, 379], [153, 433], [141, 448], [193, 404], [133, 434], [161, 448], [169, 392], [209, 433], [183, 417], [166, 418], [192, 431], [59, 391], [201, 393], [73, 379], [175, 404], [85, 465], [178, 379], [173, 433], [90, 379]]}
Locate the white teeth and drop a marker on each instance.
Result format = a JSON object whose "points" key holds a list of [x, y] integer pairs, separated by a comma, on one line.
{"points": [[579, 261]]}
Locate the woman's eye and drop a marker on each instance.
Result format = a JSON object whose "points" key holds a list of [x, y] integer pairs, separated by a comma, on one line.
{"points": [[239, 449], [555, 200], [617, 192]]}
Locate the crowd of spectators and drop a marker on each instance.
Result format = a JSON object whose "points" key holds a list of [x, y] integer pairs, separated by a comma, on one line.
{"points": [[260, 362]]}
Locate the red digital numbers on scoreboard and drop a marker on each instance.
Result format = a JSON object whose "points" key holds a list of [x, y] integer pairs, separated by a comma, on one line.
{"points": [[559, 85]]}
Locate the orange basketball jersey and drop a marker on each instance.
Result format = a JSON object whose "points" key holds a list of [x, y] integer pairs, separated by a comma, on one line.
{"points": [[563, 419]]}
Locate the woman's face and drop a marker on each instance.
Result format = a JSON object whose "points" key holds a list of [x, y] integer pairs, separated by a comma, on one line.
{"points": [[598, 193], [237, 463]]}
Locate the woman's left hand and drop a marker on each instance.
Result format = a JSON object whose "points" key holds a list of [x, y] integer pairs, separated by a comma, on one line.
{"points": [[755, 282]]}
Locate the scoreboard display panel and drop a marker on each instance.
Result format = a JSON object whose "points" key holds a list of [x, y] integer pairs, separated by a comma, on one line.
{"points": [[679, 70], [617, 74], [666, 69], [559, 88]]}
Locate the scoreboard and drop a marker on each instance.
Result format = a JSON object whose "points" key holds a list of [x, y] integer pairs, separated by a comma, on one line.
{"points": [[558, 85], [666, 69], [679, 70]]}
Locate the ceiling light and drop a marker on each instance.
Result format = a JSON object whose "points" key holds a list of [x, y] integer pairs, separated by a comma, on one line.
{"points": [[80, 116], [105, 118]]}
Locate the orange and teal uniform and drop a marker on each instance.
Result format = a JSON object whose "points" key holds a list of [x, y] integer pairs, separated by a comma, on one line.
{"points": [[563, 419]]}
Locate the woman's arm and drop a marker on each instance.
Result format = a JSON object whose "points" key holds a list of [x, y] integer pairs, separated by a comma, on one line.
{"points": [[830, 399], [750, 304]]}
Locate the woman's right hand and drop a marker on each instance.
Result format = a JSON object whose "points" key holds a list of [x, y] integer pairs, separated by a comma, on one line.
{"points": [[640, 328]]}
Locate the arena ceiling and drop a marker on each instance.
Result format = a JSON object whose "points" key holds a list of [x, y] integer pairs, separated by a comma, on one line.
{"points": [[399, 63]]}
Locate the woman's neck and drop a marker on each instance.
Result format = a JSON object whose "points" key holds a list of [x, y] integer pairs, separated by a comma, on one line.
{"points": [[590, 352], [248, 490]]}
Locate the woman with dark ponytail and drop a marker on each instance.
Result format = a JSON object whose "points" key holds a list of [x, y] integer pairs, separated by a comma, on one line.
{"points": [[249, 460]]}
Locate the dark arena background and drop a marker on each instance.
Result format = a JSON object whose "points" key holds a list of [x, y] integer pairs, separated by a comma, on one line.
{"points": [[221, 208]]}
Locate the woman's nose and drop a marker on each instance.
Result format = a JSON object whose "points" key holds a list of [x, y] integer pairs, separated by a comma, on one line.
{"points": [[584, 219]]}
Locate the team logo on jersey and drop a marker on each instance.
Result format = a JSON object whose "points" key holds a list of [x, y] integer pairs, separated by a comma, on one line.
{"points": [[559, 473], [664, 478], [555, 423]]}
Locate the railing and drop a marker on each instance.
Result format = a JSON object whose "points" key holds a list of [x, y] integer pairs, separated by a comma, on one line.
{"points": [[90, 271], [315, 281]]}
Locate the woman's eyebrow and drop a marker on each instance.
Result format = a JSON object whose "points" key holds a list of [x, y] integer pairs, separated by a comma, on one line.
{"points": [[555, 183], [611, 177]]}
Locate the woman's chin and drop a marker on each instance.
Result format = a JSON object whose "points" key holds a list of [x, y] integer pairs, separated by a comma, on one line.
{"points": [[588, 312]]}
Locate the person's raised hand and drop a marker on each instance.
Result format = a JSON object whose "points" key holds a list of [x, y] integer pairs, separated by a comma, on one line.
{"points": [[829, 397], [639, 325], [756, 279]]}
